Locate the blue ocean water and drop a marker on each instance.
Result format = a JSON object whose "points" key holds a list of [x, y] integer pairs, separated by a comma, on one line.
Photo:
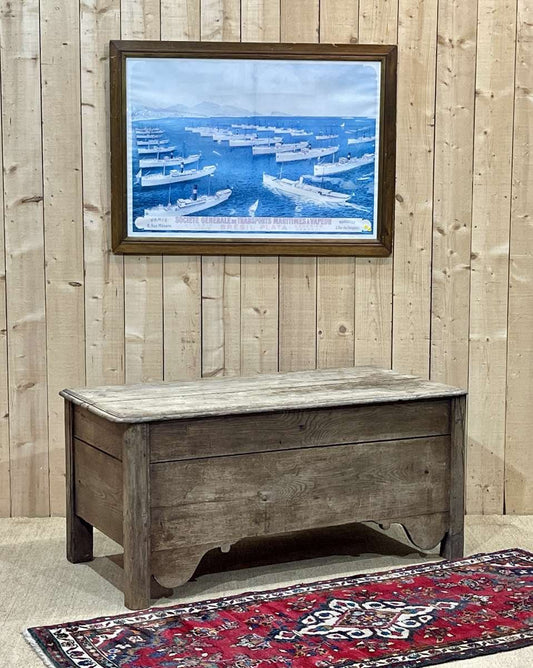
{"points": [[240, 170]]}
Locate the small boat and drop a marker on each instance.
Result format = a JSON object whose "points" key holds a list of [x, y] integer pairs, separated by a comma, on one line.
{"points": [[300, 133], [140, 132], [154, 137], [256, 141], [184, 207], [342, 165], [306, 154], [360, 140], [278, 148], [152, 142], [305, 191], [167, 161], [326, 136], [253, 208], [176, 176], [156, 149]]}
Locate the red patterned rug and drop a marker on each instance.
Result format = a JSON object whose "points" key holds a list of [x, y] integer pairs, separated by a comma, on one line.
{"points": [[416, 616]]}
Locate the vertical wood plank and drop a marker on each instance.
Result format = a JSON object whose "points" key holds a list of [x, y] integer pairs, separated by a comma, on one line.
{"points": [[136, 515], [297, 276], [414, 185], [220, 20], [63, 222], [452, 214], [336, 276], [339, 21], [378, 24], [335, 312], [260, 20], [24, 243], [519, 425], [180, 19], [143, 275], [140, 19], [221, 316], [182, 275], [104, 288], [378, 21], [221, 301], [259, 315], [182, 317], [259, 275], [490, 254], [5, 482]]}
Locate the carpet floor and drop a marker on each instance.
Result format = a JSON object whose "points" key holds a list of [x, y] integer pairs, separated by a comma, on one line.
{"points": [[38, 586]]}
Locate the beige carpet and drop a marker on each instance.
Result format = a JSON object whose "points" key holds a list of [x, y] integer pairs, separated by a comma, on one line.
{"points": [[38, 586]]}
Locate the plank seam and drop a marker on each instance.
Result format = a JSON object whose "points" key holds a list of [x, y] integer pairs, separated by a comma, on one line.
{"points": [[510, 226], [10, 501]]}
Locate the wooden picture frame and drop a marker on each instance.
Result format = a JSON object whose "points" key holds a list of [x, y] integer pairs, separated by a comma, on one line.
{"points": [[199, 146]]}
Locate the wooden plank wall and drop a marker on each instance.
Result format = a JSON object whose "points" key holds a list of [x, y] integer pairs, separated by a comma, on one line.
{"points": [[455, 302]]}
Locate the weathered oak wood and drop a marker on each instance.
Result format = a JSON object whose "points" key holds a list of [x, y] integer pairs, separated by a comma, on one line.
{"points": [[98, 479], [214, 437], [250, 457], [136, 517], [99, 432], [227, 498], [79, 532], [453, 545], [296, 390]]}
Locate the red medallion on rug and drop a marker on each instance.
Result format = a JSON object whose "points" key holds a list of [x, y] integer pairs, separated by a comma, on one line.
{"points": [[415, 616]]}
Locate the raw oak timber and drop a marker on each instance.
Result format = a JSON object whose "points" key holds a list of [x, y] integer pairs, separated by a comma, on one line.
{"points": [[104, 283], [519, 418], [491, 211], [452, 216], [63, 222], [182, 275], [378, 24], [143, 275], [297, 276], [24, 249], [186, 467], [414, 185]]}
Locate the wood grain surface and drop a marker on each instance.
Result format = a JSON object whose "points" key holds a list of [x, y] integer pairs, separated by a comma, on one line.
{"points": [[300, 389], [218, 436], [224, 499]]}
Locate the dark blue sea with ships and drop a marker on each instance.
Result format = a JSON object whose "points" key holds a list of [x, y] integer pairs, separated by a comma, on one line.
{"points": [[226, 154]]}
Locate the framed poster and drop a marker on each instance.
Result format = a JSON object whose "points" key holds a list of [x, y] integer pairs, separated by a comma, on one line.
{"points": [[285, 149]]}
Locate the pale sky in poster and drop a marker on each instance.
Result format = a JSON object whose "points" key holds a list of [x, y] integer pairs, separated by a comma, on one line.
{"points": [[255, 87]]}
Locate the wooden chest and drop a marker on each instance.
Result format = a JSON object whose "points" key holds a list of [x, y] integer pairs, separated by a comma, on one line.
{"points": [[172, 470]]}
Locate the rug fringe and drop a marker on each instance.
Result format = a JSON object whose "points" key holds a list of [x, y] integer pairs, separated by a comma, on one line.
{"points": [[35, 647]]}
